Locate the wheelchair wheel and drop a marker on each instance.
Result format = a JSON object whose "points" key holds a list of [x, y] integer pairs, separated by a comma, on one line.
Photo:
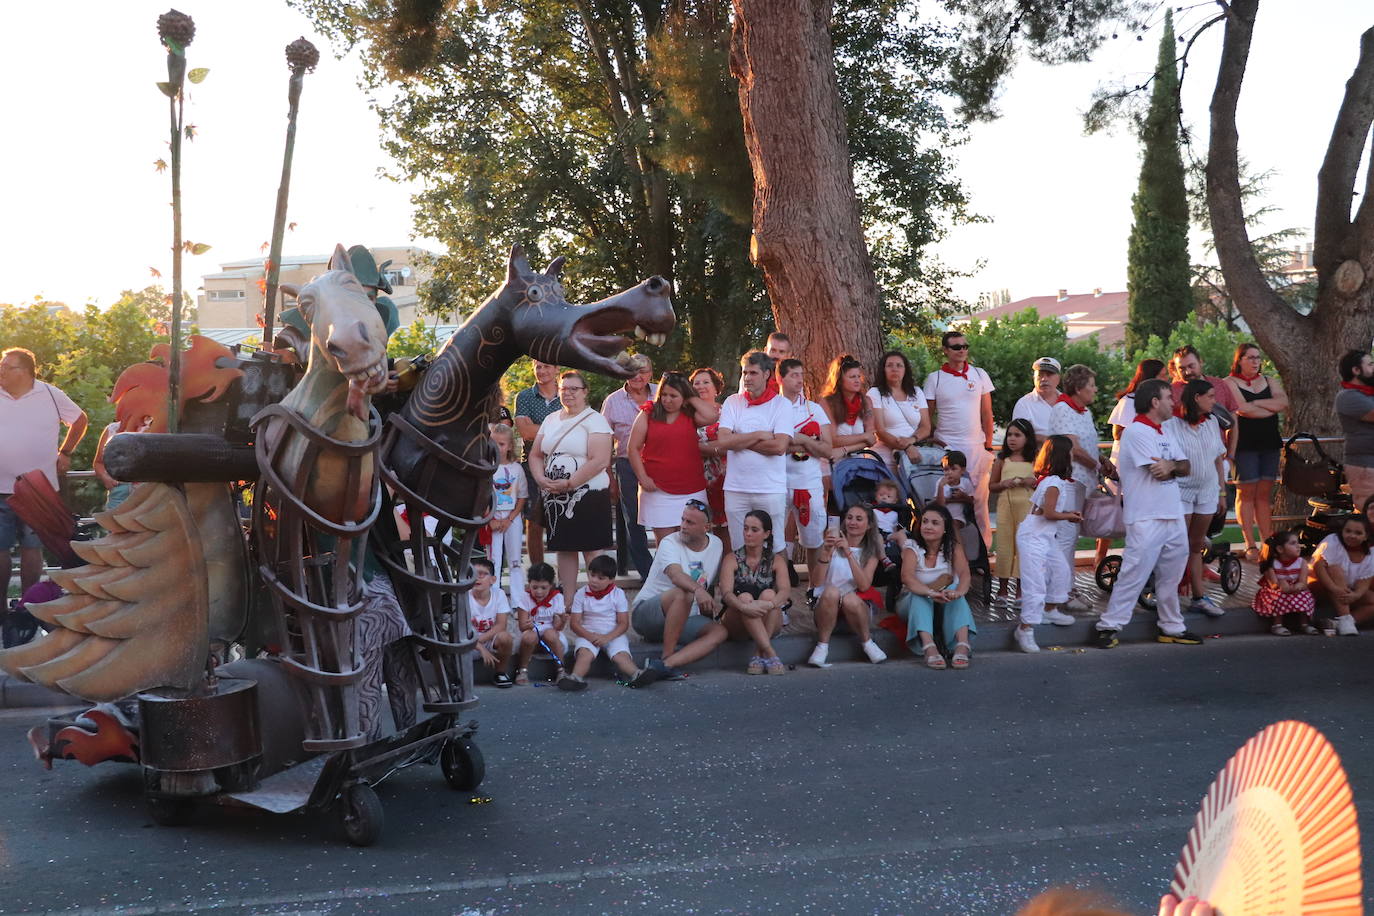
{"points": [[1230, 570], [1107, 571]]}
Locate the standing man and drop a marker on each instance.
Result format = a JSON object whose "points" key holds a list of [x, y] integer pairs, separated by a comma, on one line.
{"points": [[1156, 536], [1035, 407], [31, 415], [1072, 417], [778, 347], [620, 409], [532, 407], [1185, 366], [756, 430], [961, 397], [809, 446], [1355, 408]]}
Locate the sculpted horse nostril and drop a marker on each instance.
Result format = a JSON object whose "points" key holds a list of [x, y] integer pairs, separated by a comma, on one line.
{"points": [[362, 332], [335, 350], [656, 283]]}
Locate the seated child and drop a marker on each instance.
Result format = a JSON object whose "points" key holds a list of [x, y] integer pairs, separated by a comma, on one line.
{"points": [[887, 501], [540, 616], [600, 619], [1283, 590], [489, 612], [954, 491]]}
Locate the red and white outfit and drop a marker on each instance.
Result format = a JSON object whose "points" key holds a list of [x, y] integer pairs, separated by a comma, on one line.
{"points": [[1068, 419], [804, 484], [1270, 602], [542, 612], [483, 616], [671, 460], [1046, 574], [1156, 536], [598, 612], [754, 480], [957, 398]]}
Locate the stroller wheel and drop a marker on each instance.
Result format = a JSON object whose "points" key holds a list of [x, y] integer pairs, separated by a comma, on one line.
{"points": [[1107, 571], [1230, 574], [1147, 597]]}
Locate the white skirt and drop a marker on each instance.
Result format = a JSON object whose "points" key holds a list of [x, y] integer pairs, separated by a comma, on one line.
{"points": [[664, 510]]}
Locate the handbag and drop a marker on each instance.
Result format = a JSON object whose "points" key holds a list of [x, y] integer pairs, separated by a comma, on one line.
{"points": [[1104, 516], [1319, 476], [552, 453]]}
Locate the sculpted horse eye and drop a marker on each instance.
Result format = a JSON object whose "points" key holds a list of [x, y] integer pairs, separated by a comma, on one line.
{"points": [[534, 293]]}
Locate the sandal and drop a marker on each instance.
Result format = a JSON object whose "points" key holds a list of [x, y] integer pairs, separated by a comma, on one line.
{"points": [[756, 666], [962, 651], [774, 665], [935, 662], [522, 678]]}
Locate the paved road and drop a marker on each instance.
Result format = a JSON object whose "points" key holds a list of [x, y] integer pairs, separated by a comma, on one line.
{"points": [[859, 789]]}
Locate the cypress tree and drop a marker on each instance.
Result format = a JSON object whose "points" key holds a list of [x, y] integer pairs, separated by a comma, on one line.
{"points": [[1157, 270]]}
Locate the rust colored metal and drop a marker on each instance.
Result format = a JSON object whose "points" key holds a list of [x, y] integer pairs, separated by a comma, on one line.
{"points": [[186, 733]]}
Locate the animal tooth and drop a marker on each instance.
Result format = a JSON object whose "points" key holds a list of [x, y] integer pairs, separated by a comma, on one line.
{"points": [[658, 339], [640, 333], [623, 358]]}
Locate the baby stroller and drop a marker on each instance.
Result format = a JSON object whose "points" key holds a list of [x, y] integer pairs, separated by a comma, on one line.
{"points": [[854, 481], [1321, 480], [922, 479]]}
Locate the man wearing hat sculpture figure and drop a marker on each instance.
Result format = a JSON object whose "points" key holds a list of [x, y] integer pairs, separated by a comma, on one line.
{"points": [[295, 330], [1037, 407]]}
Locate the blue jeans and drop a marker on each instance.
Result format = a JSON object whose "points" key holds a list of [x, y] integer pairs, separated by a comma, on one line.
{"points": [[13, 532], [636, 540], [919, 613]]}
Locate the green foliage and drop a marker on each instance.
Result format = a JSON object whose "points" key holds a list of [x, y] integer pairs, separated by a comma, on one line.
{"points": [[1215, 342], [413, 340], [1157, 269]]}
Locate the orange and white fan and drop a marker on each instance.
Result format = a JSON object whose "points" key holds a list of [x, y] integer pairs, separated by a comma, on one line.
{"points": [[1276, 834]]}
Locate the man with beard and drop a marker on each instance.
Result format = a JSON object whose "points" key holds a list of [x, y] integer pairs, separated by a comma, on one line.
{"points": [[1185, 366], [1355, 408]]}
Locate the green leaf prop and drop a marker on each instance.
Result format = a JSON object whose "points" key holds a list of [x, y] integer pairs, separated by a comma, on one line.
{"points": [[198, 74]]}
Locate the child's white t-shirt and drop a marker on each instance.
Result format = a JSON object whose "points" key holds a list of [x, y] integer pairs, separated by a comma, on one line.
{"points": [[1063, 501], [507, 486], [525, 602], [1333, 551], [886, 519], [483, 617], [598, 614], [957, 511]]}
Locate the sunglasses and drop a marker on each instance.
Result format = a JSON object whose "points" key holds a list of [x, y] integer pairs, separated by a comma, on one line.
{"points": [[699, 506], [962, 346]]}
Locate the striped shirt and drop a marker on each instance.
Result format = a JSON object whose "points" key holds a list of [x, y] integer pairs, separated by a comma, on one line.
{"points": [[1201, 444]]}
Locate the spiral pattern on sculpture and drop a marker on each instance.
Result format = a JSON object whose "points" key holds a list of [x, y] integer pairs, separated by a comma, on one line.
{"points": [[444, 394]]}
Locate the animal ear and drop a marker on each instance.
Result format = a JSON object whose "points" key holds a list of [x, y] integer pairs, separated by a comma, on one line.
{"points": [[518, 267], [290, 289], [555, 268], [340, 259]]}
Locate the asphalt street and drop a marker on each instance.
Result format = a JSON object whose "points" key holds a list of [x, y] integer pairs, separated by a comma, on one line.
{"points": [[858, 789]]}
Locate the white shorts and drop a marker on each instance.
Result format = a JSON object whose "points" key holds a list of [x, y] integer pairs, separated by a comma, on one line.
{"points": [[811, 535], [1199, 502], [613, 648], [664, 510]]}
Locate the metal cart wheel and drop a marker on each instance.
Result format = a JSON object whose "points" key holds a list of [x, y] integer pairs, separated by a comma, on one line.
{"points": [[1231, 571], [1107, 571], [462, 763], [360, 814]]}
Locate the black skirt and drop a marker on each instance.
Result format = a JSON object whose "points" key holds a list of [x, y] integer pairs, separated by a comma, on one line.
{"points": [[580, 520]]}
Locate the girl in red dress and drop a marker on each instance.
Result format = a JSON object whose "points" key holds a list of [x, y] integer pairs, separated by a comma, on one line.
{"points": [[1283, 590]]}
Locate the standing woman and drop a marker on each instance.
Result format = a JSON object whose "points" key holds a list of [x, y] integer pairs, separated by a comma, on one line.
{"points": [[1203, 490], [569, 459], [663, 453], [1258, 443], [900, 418], [709, 385], [935, 571]]}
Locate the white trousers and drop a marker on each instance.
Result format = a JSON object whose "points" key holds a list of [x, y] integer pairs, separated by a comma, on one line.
{"points": [[507, 546], [1045, 573], [1070, 543], [737, 505], [979, 469], [1155, 545], [812, 534]]}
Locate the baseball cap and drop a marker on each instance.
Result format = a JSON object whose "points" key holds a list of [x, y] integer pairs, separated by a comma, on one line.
{"points": [[1048, 363]]}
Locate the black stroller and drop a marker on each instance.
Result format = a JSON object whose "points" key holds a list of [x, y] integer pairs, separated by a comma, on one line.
{"points": [[1321, 480], [854, 481], [922, 479]]}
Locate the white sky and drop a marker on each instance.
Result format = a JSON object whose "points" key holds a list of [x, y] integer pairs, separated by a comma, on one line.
{"points": [[86, 215]]}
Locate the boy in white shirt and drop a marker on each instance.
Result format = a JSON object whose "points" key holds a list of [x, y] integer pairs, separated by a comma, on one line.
{"points": [[954, 491], [489, 612], [600, 620], [540, 616]]}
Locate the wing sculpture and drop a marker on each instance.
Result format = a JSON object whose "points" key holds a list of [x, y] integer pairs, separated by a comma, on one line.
{"points": [[136, 616]]}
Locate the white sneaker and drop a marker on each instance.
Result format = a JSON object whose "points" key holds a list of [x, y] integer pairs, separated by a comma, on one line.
{"points": [[818, 654], [1077, 605], [1025, 640], [1345, 626], [875, 654], [1058, 617], [1206, 605]]}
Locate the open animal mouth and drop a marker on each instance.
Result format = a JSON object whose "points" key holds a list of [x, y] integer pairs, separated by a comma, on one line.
{"points": [[600, 337], [363, 383]]}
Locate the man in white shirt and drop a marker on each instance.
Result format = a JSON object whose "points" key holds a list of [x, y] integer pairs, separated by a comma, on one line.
{"points": [[676, 602], [1036, 406], [810, 444], [961, 397], [1156, 536], [31, 415], [756, 430]]}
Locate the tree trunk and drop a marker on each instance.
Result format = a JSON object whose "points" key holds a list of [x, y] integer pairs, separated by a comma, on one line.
{"points": [[1305, 348], [808, 239]]}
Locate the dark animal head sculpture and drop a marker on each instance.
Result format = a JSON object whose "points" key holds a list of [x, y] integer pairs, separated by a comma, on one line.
{"points": [[528, 315]]}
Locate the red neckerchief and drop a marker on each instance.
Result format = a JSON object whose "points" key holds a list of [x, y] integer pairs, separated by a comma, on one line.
{"points": [[1066, 399], [1246, 378], [540, 605], [761, 399], [1201, 420], [647, 406], [1141, 418], [962, 375], [852, 408], [772, 385], [601, 594], [1356, 386], [801, 499]]}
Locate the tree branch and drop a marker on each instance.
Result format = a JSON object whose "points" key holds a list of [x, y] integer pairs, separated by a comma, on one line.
{"points": [[1278, 329], [1332, 241]]}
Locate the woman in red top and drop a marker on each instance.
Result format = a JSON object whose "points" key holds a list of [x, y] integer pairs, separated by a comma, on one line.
{"points": [[663, 452]]}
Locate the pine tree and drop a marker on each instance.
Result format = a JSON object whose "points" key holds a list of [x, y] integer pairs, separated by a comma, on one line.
{"points": [[1157, 272]]}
